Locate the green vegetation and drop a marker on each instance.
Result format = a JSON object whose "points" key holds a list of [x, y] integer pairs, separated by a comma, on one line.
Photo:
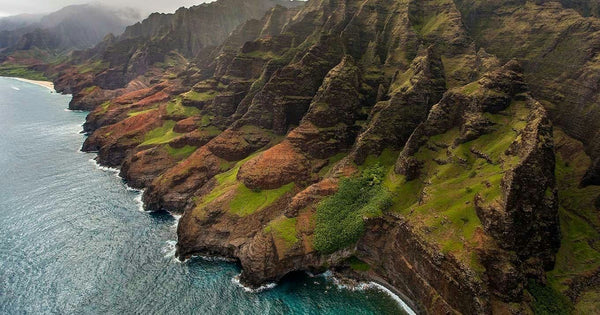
{"points": [[260, 54], [135, 113], [387, 158], [357, 264], [579, 253], [200, 97], [89, 89], [175, 108], [225, 182], [440, 201], [471, 88], [104, 107], [247, 201], [433, 24], [160, 135], [339, 218], [283, 229], [20, 71], [180, 153], [172, 60], [96, 66], [205, 120], [331, 162], [210, 131], [547, 301]]}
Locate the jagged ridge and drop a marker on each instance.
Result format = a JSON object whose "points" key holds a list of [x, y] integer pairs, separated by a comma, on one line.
{"points": [[248, 138]]}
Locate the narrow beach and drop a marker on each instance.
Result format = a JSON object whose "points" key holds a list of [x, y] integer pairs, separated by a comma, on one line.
{"points": [[46, 84]]}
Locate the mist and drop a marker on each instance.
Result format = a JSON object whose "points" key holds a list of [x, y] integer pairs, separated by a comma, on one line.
{"points": [[145, 7]]}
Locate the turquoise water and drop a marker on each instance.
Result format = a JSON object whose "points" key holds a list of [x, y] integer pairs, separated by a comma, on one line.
{"points": [[73, 239]]}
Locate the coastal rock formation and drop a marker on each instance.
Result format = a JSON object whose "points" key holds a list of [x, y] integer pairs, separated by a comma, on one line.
{"points": [[408, 142]]}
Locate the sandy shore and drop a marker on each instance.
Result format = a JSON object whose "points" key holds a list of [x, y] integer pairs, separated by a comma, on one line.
{"points": [[47, 84]]}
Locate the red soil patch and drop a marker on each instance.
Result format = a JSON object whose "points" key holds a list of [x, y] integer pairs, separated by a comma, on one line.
{"points": [[277, 166], [154, 98], [140, 123]]}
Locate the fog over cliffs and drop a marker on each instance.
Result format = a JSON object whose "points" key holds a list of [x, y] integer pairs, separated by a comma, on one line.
{"points": [[72, 27], [11, 8]]}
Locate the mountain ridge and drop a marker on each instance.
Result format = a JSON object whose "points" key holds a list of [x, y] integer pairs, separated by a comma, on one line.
{"points": [[415, 137]]}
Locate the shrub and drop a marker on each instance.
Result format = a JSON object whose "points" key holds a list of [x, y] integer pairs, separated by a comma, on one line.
{"points": [[357, 264], [547, 300], [339, 218]]}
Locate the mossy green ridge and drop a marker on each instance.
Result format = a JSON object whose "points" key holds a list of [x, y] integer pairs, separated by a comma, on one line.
{"points": [[135, 113], [94, 66], [440, 201], [578, 258], [247, 201], [284, 229], [244, 201], [260, 54], [180, 153], [331, 162], [160, 135], [339, 218], [104, 107], [200, 96], [176, 108]]}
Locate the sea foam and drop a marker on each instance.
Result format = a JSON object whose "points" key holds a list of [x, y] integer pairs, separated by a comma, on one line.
{"points": [[268, 286], [105, 168], [169, 249], [361, 286]]}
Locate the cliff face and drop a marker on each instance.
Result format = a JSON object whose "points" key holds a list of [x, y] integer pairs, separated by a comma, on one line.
{"points": [[161, 41], [401, 134], [558, 49], [28, 43]]}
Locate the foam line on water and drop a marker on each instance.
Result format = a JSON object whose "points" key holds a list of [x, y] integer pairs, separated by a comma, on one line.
{"points": [[105, 168], [268, 286], [116, 171], [169, 249], [361, 286], [177, 217], [138, 197], [140, 202], [403, 305], [208, 258]]}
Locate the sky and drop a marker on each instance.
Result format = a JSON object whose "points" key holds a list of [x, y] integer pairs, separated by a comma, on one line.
{"points": [[13, 7]]}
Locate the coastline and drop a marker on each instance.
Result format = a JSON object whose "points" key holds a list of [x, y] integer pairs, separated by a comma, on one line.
{"points": [[47, 84], [346, 280], [352, 280]]}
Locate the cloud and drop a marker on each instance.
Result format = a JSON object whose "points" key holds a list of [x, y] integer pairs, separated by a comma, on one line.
{"points": [[12, 7]]}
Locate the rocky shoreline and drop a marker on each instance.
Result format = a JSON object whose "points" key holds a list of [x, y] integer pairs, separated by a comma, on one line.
{"points": [[309, 140], [257, 273], [344, 277]]}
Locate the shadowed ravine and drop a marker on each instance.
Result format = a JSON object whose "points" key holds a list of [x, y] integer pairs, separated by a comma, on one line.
{"points": [[74, 240]]}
